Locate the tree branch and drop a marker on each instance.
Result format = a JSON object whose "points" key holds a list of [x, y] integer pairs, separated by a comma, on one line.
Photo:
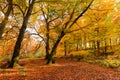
{"points": [[81, 14], [19, 8], [38, 34], [81, 28]]}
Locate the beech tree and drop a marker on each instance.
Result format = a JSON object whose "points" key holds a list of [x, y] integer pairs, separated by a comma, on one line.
{"points": [[21, 33], [66, 25]]}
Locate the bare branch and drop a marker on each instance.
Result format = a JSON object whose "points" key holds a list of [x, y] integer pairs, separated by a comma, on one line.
{"points": [[80, 28], [35, 12], [71, 16], [37, 33], [44, 15], [53, 20]]}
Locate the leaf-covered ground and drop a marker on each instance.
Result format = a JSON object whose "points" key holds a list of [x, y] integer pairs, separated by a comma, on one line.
{"points": [[64, 69]]}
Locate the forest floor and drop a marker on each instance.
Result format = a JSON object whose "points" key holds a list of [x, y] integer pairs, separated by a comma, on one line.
{"points": [[64, 69]]}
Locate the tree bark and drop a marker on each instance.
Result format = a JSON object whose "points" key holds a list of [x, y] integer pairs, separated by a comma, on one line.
{"points": [[21, 35]]}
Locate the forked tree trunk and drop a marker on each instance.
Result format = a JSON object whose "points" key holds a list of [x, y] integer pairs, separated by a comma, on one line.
{"points": [[21, 35], [52, 53]]}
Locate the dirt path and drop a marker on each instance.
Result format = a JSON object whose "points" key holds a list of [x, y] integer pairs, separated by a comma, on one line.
{"points": [[35, 69]]}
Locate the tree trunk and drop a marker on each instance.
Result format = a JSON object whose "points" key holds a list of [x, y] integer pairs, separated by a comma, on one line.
{"points": [[65, 48], [50, 59], [105, 49], [21, 35], [52, 53], [77, 46], [98, 48], [94, 45], [98, 41], [4, 22], [46, 56], [47, 43], [47, 40], [110, 43], [85, 45]]}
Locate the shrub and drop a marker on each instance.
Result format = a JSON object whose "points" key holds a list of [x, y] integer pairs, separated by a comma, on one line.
{"points": [[37, 55], [113, 63], [83, 53]]}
